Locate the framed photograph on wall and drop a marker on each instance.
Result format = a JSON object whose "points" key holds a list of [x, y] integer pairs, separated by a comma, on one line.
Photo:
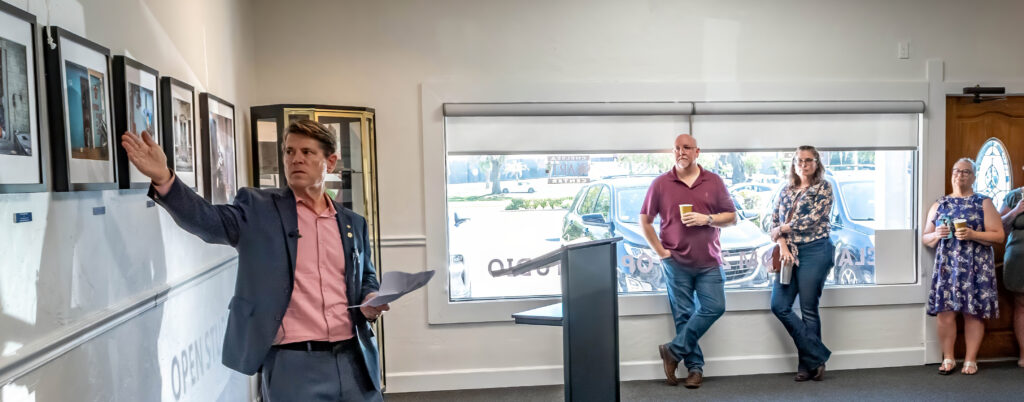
{"points": [[21, 165], [79, 108], [218, 131], [136, 110], [177, 105]]}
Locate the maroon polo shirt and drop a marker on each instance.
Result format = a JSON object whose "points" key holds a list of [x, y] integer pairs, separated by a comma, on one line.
{"points": [[695, 246]]}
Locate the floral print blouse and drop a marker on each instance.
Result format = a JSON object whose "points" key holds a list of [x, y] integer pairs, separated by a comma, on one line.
{"points": [[810, 222]]}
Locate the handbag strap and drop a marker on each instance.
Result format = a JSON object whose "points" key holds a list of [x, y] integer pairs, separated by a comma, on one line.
{"points": [[795, 203]]}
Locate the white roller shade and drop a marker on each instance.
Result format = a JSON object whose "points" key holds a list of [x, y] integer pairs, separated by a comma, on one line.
{"points": [[765, 131], [568, 109], [810, 107], [562, 134]]}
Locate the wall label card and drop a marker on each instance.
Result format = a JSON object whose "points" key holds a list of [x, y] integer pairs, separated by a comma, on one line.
{"points": [[22, 217]]}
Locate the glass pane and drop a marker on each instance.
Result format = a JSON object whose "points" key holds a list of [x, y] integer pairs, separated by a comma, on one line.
{"points": [[270, 175], [505, 209], [346, 180], [993, 176]]}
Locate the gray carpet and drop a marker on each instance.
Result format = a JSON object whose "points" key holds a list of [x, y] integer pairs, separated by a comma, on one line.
{"points": [[1001, 381]]}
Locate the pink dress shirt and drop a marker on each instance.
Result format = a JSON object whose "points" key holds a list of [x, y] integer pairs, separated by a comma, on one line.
{"points": [[318, 310]]}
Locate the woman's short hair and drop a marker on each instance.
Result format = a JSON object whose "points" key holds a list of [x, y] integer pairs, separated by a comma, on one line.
{"points": [[794, 179], [316, 131], [974, 166]]}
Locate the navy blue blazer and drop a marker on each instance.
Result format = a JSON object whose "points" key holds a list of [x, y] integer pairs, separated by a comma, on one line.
{"points": [[262, 224]]}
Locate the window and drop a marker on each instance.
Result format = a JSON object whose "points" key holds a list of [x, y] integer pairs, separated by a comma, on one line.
{"points": [[993, 176], [574, 178]]}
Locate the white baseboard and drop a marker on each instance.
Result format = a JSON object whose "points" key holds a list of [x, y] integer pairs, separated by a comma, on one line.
{"points": [[422, 381]]}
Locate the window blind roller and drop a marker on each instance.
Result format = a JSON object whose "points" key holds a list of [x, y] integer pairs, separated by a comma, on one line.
{"points": [[510, 128]]}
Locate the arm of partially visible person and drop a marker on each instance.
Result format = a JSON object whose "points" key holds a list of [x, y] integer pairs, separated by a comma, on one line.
{"points": [[993, 233], [931, 234], [821, 206], [652, 237], [370, 286], [217, 224], [1007, 214]]}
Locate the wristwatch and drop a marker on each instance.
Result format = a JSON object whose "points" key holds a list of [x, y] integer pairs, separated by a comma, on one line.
{"points": [[710, 220]]}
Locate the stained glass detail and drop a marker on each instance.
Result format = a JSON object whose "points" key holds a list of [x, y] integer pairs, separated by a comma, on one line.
{"points": [[993, 176]]}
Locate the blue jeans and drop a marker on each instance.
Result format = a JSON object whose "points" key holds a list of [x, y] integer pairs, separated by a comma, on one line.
{"points": [[807, 282], [693, 315]]}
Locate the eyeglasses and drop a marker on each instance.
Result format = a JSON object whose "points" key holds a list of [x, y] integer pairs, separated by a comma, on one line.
{"points": [[962, 171], [803, 161]]}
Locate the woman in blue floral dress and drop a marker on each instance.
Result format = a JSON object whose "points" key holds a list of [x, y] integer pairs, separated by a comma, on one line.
{"points": [[964, 280]]}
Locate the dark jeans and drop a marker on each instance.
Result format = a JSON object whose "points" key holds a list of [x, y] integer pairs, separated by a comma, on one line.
{"points": [[693, 315], [807, 282]]}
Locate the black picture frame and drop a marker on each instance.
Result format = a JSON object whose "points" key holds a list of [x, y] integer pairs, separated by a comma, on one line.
{"points": [[29, 100], [220, 180], [67, 169], [172, 126], [128, 176]]}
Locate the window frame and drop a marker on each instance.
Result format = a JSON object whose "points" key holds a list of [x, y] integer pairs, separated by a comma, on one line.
{"points": [[435, 95]]}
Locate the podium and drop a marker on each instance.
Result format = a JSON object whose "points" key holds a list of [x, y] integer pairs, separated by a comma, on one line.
{"points": [[588, 315]]}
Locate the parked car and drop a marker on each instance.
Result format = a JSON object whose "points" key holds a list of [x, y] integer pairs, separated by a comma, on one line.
{"points": [[852, 218], [752, 196], [611, 208], [517, 187]]}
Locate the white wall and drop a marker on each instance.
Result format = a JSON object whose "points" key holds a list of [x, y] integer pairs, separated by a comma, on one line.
{"points": [[378, 54], [68, 267]]}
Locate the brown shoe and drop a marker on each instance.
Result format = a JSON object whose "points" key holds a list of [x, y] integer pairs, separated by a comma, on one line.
{"points": [[819, 373], [802, 376], [694, 379], [669, 363]]}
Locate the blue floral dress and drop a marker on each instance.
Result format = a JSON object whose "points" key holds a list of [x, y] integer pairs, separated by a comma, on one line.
{"points": [[965, 276]]}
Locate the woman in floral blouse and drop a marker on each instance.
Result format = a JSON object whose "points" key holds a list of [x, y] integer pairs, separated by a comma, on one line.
{"points": [[803, 239], [964, 280]]}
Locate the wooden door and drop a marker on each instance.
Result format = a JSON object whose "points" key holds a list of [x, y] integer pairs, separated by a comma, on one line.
{"points": [[968, 126]]}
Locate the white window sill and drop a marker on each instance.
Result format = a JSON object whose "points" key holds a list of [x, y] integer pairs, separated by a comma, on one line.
{"points": [[656, 304]]}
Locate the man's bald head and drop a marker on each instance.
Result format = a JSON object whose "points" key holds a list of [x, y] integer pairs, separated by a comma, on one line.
{"points": [[685, 151], [686, 139]]}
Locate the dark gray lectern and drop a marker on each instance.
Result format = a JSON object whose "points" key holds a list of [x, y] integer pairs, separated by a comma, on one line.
{"points": [[588, 314]]}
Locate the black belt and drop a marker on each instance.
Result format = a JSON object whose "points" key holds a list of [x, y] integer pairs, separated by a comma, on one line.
{"points": [[322, 346]]}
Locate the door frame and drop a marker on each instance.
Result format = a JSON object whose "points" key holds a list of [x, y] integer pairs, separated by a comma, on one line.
{"points": [[933, 186]]}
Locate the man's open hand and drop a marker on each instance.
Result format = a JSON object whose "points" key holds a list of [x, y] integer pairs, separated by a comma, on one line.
{"points": [[147, 156]]}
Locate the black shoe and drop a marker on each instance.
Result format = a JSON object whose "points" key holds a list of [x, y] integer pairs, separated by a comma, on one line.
{"points": [[819, 373], [802, 376]]}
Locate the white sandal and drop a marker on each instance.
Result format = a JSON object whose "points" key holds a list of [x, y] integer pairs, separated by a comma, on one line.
{"points": [[952, 366], [967, 365]]}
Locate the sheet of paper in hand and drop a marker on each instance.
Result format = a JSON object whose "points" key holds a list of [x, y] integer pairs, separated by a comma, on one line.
{"points": [[394, 285]]}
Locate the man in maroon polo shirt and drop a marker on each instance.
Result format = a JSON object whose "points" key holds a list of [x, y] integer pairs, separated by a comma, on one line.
{"points": [[690, 251]]}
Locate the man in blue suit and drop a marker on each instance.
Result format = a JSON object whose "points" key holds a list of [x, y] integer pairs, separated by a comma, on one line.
{"points": [[303, 259]]}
